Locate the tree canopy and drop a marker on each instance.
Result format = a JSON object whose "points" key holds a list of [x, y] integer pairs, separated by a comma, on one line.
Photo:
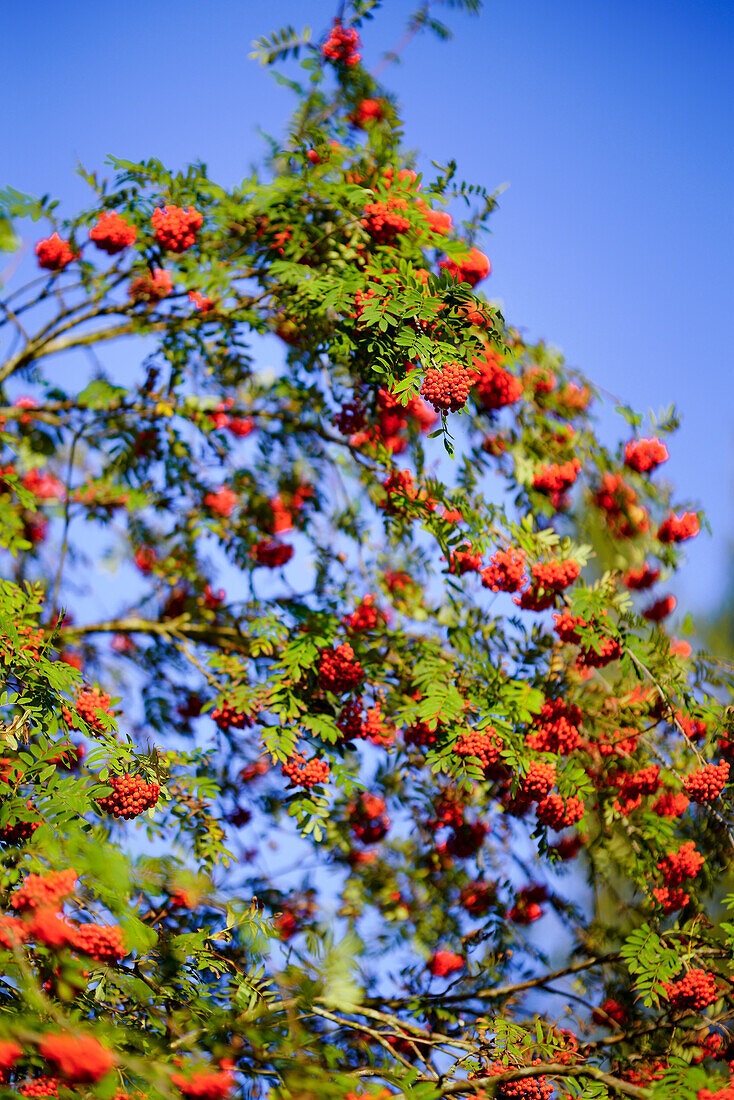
{"points": [[346, 749]]}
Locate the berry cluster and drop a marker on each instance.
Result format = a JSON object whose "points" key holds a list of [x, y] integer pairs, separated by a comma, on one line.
{"points": [[207, 1084], [130, 797], [442, 963], [176, 228], [339, 670], [464, 561], [660, 610], [366, 616], [471, 268], [624, 516], [221, 501], [554, 576], [303, 774], [350, 720], [447, 389], [643, 455], [556, 479], [623, 742], [376, 729], [88, 702], [524, 1088], [556, 729], [342, 45], [695, 991], [506, 570], [368, 818], [485, 745], [639, 579], [227, 717], [633, 785], [40, 1086], [557, 812], [671, 804], [477, 898], [679, 528], [270, 554], [112, 234], [44, 891], [54, 253], [152, 287], [383, 222], [539, 779], [100, 941], [80, 1059], [495, 386], [706, 784]]}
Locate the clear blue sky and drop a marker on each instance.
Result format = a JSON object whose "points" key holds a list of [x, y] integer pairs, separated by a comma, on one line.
{"points": [[613, 123]]}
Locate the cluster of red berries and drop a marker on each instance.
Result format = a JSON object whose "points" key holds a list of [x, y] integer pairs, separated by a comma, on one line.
{"points": [[610, 1009], [152, 287], [88, 702], [624, 516], [633, 785], [401, 489], [660, 610], [40, 1086], [524, 1088], [221, 501], [80, 1059], [206, 1084], [679, 528], [442, 963], [270, 554], [671, 804], [540, 381], [227, 717], [556, 479], [623, 742], [464, 561], [305, 774], [485, 745], [130, 797], [376, 729], [695, 991], [471, 268], [366, 616], [54, 253], [447, 389], [44, 891], [339, 670], [342, 45], [506, 570], [554, 576], [465, 839], [643, 455], [368, 818], [112, 234], [176, 228], [383, 222], [103, 942], [557, 812], [639, 579], [707, 783], [526, 907], [538, 780], [495, 386], [556, 729], [477, 898]]}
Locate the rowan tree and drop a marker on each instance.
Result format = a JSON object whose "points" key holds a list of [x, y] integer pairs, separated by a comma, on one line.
{"points": [[346, 748]]}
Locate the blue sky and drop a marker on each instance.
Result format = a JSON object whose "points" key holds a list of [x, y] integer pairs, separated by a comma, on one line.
{"points": [[611, 122]]}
